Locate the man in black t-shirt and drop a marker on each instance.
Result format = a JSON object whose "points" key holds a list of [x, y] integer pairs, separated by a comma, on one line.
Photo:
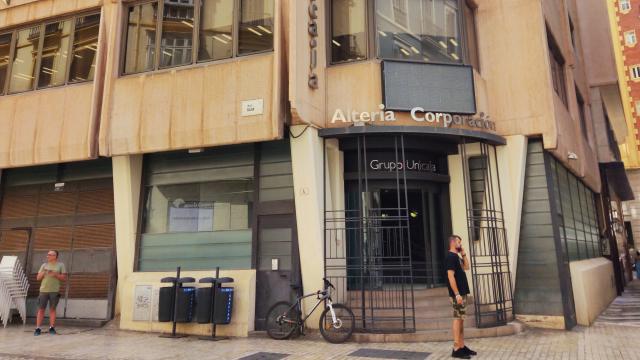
{"points": [[457, 262]]}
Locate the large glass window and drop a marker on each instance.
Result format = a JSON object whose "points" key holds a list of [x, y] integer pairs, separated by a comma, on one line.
{"points": [[256, 26], [216, 30], [141, 38], [23, 69], [423, 30], [578, 222], [55, 54], [85, 48], [348, 30], [49, 54], [218, 24], [5, 52]]}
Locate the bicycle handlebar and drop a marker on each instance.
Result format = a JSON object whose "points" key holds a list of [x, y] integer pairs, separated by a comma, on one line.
{"points": [[328, 284]]}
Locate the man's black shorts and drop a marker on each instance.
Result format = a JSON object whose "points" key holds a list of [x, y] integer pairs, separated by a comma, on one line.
{"points": [[48, 297]]}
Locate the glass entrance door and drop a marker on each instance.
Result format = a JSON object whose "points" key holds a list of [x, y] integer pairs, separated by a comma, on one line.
{"points": [[420, 248]]}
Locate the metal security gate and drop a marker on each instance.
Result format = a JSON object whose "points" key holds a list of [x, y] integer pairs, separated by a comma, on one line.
{"points": [[492, 287], [368, 248], [76, 219]]}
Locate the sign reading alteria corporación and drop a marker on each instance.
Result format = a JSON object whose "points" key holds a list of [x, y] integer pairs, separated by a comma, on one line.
{"points": [[418, 114]]}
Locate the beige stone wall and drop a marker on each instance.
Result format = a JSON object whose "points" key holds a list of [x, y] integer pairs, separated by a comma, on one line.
{"points": [[594, 288], [190, 106], [49, 125]]}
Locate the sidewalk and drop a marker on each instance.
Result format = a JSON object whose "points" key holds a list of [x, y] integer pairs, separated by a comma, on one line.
{"points": [[615, 335]]}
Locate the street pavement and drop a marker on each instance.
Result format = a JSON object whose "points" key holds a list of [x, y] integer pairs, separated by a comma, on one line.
{"points": [[615, 335]]}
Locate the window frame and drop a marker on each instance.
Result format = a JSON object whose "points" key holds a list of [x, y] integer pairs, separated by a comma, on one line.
{"points": [[635, 38], [195, 61], [372, 36], [624, 2], [42, 23], [634, 70], [556, 57]]}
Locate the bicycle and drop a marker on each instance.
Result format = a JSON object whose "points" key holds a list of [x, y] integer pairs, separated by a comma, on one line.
{"points": [[337, 321]]}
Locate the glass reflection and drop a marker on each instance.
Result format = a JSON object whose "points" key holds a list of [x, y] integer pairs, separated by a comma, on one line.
{"points": [[53, 65], [23, 71], [85, 47], [256, 26], [5, 49], [348, 30], [177, 33], [420, 30], [216, 30], [141, 38]]}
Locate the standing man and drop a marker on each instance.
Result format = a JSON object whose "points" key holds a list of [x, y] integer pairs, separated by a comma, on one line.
{"points": [[51, 274], [457, 262]]}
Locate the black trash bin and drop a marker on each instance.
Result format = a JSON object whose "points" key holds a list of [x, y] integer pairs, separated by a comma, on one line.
{"points": [[185, 302], [224, 305]]}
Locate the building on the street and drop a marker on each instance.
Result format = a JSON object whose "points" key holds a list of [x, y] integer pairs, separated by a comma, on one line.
{"points": [[624, 18], [284, 141]]}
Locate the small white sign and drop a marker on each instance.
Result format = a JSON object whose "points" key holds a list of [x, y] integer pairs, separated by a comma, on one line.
{"points": [[252, 107], [142, 303], [274, 264]]}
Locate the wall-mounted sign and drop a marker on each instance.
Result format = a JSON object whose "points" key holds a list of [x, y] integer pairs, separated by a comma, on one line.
{"points": [[418, 114], [252, 107], [313, 44], [409, 165], [142, 303]]}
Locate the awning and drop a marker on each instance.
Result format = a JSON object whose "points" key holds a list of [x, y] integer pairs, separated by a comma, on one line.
{"points": [[451, 134], [612, 101], [618, 180]]}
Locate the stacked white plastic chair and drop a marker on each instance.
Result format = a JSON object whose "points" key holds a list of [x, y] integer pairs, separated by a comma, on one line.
{"points": [[13, 289]]}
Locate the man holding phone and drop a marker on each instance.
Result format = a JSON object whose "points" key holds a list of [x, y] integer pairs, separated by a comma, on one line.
{"points": [[51, 273], [457, 262]]}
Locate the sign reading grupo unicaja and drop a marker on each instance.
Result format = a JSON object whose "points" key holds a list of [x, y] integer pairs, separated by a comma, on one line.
{"points": [[418, 114]]}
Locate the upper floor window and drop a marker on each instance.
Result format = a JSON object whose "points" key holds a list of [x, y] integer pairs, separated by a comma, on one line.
{"points": [[220, 29], [630, 38], [413, 30], [635, 72], [557, 68], [49, 54], [624, 5], [431, 33], [582, 114]]}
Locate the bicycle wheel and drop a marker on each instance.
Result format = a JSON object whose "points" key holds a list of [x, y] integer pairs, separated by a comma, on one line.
{"points": [[341, 330], [282, 320]]}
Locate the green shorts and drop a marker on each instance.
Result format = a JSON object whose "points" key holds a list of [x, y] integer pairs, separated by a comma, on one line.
{"points": [[459, 310], [48, 297]]}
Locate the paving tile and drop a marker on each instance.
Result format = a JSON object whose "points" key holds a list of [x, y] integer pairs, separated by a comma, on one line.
{"points": [[390, 354]]}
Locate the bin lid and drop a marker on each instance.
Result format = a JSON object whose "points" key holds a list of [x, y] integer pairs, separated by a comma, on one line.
{"points": [[186, 280], [212, 280], [168, 280]]}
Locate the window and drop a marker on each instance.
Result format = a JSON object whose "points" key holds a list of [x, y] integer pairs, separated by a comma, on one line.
{"points": [[256, 26], [216, 30], [583, 116], [471, 35], [635, 72], [23, 68], [624, 5], [572, 31], [637, 106], [431, 38], [5, 52], [348, 30], [576, 208], [55, 51], [50, 54], [557, 68], [477, 179], [85, 48], [630, 38], [215, 26]]}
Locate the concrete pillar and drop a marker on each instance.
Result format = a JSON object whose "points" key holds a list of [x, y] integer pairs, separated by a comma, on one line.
{"points": [[307, 154], [127, 177], [512, 164]]}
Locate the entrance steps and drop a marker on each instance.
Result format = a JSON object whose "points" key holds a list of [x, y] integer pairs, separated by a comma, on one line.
{"points": [[433, 318]]}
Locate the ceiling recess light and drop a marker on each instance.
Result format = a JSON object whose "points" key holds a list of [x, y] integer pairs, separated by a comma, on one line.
{"points": [[572, 156], [196, 150], [336, 43]]}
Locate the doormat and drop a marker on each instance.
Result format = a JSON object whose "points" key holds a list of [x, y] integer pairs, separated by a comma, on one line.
{"points": [[265, 356], [390, 354]]}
